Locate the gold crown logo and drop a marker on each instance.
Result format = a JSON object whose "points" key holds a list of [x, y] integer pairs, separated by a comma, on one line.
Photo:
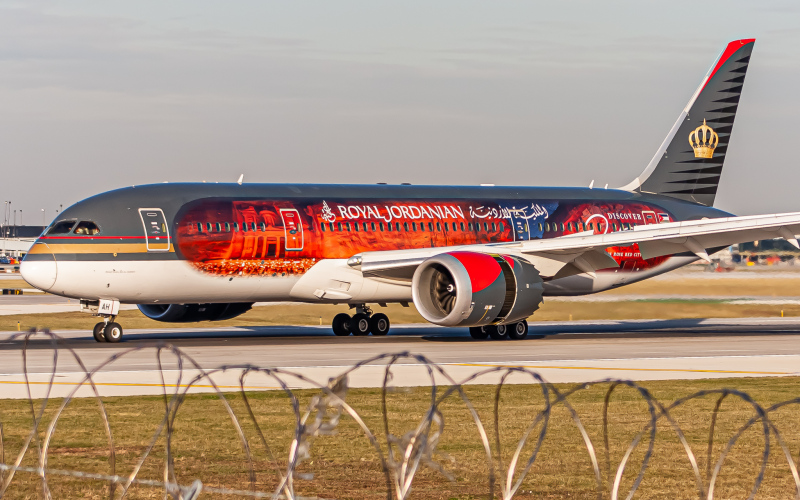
{"points": [[704, 141]]}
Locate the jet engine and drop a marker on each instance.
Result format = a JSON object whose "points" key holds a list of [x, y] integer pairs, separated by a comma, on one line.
{"points": [[189, 313], [476, 289]]}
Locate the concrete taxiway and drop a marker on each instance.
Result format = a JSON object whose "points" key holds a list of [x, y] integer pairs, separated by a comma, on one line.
{"points": [[560, 352]]}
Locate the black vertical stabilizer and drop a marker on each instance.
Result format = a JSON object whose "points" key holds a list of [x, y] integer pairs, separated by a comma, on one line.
{"points": [[688, 165]]}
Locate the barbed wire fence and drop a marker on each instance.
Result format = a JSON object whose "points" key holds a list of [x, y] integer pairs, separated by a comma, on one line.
{"points": [[401, 456]]}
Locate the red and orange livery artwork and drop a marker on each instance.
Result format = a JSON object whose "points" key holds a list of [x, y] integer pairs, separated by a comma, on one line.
{"points": [[286, 237]]}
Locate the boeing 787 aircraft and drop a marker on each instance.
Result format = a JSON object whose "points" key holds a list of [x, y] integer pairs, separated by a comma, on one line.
{"points": [[482, 257]]}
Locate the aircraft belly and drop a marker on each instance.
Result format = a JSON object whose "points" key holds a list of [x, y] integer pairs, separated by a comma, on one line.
{"points": [[164, 282], [583, 284]]}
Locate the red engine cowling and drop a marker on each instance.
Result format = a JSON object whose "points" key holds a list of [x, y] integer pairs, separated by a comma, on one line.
{"points": [[476, 289]]}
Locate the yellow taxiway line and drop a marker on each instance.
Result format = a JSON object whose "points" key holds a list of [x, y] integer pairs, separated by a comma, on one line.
{"points": [[677, 370]]}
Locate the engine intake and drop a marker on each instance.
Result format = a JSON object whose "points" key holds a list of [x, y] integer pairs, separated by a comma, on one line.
{"points": [[190, 313], [476, 289]]}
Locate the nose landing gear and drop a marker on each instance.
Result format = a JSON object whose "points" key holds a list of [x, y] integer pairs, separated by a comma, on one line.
{"points": [[107, 331], [361, 324]]}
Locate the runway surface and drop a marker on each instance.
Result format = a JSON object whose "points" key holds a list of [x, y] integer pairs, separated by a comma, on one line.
{"points": [[560, 352]]}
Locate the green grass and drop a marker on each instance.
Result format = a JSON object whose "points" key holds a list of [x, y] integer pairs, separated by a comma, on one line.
{"points": [[344, 465]]}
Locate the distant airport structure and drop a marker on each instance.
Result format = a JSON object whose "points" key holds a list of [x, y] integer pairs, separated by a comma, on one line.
{"points": [[15, 241]]}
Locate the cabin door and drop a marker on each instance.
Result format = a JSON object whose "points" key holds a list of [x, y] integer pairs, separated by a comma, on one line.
{"points": [[156, 231], [293, 228]]}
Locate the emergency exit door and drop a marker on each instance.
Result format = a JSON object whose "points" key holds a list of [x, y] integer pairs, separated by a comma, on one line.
{"points": [[156, 230], [293, 228]]}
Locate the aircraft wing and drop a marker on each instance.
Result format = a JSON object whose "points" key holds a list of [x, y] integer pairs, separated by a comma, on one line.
{"points": [[586, 252]]}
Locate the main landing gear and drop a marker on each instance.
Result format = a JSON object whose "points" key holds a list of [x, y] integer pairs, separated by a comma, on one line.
{"points": [[108, 330], [511, 331], [362, 323]]}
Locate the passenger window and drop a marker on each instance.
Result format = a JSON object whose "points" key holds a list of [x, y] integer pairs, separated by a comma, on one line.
{"points": [[199, 227], [422, 226], [322, 227], [430, 226], [453, 225], [263, 227], [372, 226], [547, 226], [227, 227], [339, 226], [469, 226], [405, 226], [397, 226], [494, 226], [355, 226], [253, 226], [87, 228], [330, 226], [485, 226], [413, 226], [347, 226], [365, 227], [236, 227], [461, 225], [389, 227], [501, 226], [380, 224], [438, 226]]}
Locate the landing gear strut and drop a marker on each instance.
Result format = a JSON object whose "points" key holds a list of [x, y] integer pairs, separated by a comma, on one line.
{"points": [[362, 323], [512, 331]]}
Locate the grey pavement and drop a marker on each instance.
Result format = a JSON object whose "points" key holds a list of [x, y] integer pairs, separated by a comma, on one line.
{"points": [[562, 352]]}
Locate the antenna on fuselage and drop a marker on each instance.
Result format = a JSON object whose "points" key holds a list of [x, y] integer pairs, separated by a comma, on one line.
{"points": [[591, 184], [241, 178]]}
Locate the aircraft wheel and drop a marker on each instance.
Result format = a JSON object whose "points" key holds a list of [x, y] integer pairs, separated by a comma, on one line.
{"points": [[113, 332], [341, 325], [98, 332], [518, 331], [479, 332], [379, 324], [498, 332], [359, 324]]}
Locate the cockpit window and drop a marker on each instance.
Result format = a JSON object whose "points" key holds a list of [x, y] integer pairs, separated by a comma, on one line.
{"points": [[61, 227], [86, 227]]}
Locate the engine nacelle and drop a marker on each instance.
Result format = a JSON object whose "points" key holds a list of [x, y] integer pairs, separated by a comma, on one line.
{"points": [[476, 289], [190, 313]]}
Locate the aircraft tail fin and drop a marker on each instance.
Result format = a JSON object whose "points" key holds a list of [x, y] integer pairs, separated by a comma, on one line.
{"points": [[688, 165]]}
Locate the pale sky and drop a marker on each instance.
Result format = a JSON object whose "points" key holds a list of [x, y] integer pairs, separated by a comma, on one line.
{"points": [[96, 95]]}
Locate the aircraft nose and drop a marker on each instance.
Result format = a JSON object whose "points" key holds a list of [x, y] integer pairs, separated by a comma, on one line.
{"points": [[39, 267]]}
